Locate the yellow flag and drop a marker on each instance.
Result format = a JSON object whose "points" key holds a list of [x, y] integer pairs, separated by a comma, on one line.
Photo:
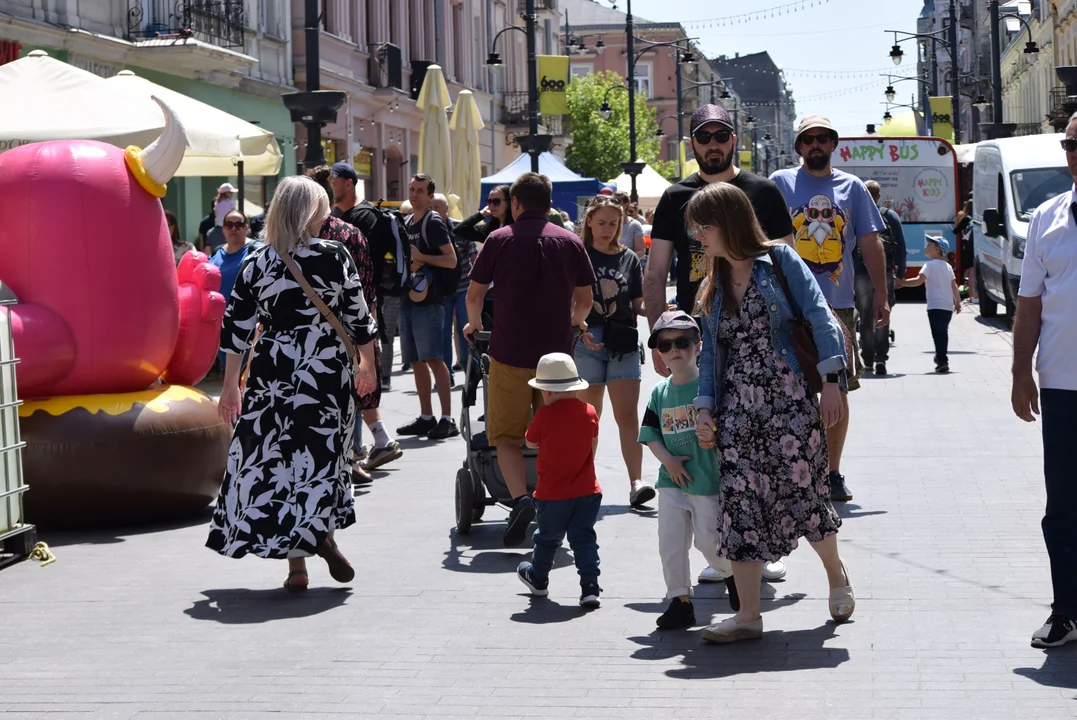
{"points": [[553, 82], [942, 123], [745, 160]]}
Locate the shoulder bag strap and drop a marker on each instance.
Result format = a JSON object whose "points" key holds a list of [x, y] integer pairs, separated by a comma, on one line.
{"points": [[328, 314], [777, 263]]}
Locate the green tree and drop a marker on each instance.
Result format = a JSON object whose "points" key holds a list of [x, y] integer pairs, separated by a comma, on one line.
{"points": [[600, 145]]}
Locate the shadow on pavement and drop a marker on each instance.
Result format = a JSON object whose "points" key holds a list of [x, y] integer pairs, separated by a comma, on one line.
{"points": [[543, 611], [704, 601], [244, 607], [851, 511], [887, 376], [116, 535], [995, 323], [1059, 669], [775, 652], [481, 551], [646, 511]]}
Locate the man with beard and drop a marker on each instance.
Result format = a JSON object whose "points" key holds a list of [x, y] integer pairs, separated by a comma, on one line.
{"points": [[832, 213], [713, 144]]}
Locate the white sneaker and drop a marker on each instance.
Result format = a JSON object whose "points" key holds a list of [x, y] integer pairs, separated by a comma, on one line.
{"points": [[710, 575], [641, 494], [773, 571]]}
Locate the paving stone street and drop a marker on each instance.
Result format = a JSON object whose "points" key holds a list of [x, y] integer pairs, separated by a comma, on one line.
{"points": [[942, 542]]}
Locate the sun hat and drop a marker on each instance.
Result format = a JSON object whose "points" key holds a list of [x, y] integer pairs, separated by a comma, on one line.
{"points": [[939, 240], [671, 320], [815, 122], [706, 114], [556, 372], [227, 187]]}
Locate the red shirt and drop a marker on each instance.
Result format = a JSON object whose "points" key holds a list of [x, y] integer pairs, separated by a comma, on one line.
{"points": [[564, 432]]}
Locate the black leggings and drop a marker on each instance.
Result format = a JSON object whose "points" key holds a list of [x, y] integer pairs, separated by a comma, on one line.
{"points": [[940, 333]]}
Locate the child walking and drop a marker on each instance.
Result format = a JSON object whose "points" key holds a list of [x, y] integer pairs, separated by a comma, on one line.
{"points": [[567, 496], [943, 298], [688, 483]]}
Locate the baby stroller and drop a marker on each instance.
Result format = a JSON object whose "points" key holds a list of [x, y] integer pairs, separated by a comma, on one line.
{"points": [[479, 483]]}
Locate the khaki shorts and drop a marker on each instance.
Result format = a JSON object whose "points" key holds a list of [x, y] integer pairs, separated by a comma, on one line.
{"points": [[850, 318], [510, 402]]}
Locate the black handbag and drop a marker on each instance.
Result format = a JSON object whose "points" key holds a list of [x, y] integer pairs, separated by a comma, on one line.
{"points": [[617, 337]]}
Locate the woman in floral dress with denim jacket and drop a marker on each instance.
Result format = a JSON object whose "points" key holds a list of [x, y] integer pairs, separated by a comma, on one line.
{"points": [[770, 429]]}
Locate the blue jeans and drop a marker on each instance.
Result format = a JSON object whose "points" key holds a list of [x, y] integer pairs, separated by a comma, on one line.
{"points": [[1060, 519], [420, 332], [939, 320], [455, 306], [576, 519]]}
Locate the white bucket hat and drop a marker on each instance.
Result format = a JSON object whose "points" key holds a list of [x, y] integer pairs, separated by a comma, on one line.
{"points": [[557, 372]]}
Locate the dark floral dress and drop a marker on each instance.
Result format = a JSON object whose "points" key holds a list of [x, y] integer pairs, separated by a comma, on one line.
{"points": [[287, 482], [356, 244], [772, 445]]}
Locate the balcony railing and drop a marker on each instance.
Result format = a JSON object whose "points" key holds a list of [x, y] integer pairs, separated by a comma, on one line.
{"points": [[1028, 129], [217, 22], [514, 113], [540, 6], [1062, 106]]}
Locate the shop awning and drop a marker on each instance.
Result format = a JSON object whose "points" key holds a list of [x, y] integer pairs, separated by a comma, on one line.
{"points": [[216, 140]]}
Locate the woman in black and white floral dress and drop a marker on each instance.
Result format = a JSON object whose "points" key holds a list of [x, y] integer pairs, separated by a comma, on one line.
{"points": [[287, 486]]}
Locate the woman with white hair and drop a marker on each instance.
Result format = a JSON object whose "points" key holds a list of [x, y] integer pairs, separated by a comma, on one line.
{"points": [[287, 486]]}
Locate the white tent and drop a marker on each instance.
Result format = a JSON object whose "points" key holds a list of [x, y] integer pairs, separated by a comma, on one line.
{"points": [[216, 141], [46, 99], [649, 185]]}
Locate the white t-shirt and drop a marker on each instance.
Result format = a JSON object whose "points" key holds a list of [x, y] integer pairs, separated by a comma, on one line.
{"points": [[938, 284], [630, 230], [1049, 272]]}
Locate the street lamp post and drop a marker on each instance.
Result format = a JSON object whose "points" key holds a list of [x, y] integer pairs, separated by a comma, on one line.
{"points": [[896, 55], [955, 89]]}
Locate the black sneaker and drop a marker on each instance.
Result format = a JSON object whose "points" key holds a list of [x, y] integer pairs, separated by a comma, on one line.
{"points": [[680, 614], [457, 367], [942, 368], [523, 512], [418, 426], [731, 590], [1058, 630], [526, 573], [880, 368], [445, 429], [382, 455], [589, 594], [386, 384], [838, 490]]}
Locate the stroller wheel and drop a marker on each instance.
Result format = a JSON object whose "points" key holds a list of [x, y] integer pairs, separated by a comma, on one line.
{"points": [[478, 506], [465, 501]]}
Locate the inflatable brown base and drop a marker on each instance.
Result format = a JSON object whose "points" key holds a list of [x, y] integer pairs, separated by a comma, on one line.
{"points": [[101, 461]]}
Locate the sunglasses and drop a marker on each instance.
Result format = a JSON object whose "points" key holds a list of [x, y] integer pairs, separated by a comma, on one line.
{"points": [[235, 225], [493, 202], [1069, 144], [820, 138], [681, 343], [704, 137]]}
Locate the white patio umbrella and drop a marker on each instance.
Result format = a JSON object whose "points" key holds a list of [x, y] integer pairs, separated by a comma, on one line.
{"points": [[466, 177], [435, 152], [42, 98], [217, 141]]}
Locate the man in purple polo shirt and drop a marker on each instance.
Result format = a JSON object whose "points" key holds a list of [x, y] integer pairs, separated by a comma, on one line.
{"points": [[542, 278]]}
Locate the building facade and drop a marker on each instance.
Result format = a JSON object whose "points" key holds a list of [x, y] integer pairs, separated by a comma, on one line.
{"points": [[1028, 78], [377, 52], [232, 54]]}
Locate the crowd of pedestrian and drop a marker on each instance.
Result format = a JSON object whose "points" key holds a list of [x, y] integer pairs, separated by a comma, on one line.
{"points": [[783, 294]]}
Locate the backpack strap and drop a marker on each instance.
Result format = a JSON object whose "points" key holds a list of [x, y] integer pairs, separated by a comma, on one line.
{"points": [[328, 314]]}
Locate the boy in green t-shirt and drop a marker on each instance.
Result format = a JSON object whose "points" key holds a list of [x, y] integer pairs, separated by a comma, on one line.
{"points": [[688, 483]]}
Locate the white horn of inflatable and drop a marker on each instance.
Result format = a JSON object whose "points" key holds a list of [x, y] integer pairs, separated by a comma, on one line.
{"points": [[163, 156]]}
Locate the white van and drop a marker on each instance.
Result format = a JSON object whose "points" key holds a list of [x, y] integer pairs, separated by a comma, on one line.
{"points": [[1011, 178]]}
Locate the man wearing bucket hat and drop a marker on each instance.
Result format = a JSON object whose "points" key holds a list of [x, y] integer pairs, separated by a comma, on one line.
{"points": [[832, 212], [567, 495]]}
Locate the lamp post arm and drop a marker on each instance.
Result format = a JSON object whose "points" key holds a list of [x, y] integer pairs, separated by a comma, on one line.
{"points": [[493, 43]]}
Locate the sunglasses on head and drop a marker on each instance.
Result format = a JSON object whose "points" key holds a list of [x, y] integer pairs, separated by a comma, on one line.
{"points": [[681, 343], [493, 202], [1069, 144], [235, 224], [821, 138], [704, 137]]}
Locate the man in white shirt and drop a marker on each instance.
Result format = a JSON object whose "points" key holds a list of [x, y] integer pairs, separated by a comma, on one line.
{"points": [[1045, 316]]}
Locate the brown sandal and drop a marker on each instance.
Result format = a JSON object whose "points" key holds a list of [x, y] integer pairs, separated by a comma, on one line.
{"points": [[339, 567], [295, 587]]}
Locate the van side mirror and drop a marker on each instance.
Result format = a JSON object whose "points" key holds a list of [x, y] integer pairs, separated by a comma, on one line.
{"points": [[992, 225]]}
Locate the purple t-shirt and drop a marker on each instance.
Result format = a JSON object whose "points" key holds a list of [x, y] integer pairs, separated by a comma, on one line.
{"points": [[535, 268]]}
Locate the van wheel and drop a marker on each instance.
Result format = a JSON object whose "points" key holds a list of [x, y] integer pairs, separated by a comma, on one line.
{"points": [[988, 307], [1011, 306]]}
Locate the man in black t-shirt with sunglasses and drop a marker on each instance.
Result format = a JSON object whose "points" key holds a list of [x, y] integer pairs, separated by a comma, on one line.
{"points": [[713, 144]]}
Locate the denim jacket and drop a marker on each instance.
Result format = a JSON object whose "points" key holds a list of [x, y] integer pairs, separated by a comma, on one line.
{"points": [[829, 338]]}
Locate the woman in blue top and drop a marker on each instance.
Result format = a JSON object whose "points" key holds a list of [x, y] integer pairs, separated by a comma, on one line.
{"points": [[770, 429]]}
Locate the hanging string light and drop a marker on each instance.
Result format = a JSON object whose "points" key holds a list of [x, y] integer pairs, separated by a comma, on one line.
{"points": [[764, 14]]}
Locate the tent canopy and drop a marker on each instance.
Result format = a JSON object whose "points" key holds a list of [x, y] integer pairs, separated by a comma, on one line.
{"points": [[215, 139], [568, 187], [649, 186]]}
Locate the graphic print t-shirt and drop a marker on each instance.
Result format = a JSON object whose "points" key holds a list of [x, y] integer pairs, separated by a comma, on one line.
{"points": [[429, 235], [620, 281], [671, 418], [669, 224], [829, 215]]}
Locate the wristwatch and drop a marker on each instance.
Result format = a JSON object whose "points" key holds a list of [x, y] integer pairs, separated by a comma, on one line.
{"points": [[833, 378]]}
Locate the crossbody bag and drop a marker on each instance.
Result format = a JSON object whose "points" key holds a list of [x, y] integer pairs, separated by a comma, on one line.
{"points": [[617, 337], [328, 314]]}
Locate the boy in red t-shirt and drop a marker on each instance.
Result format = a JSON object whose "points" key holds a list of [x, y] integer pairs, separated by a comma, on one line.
{"points": [[567, 496]]}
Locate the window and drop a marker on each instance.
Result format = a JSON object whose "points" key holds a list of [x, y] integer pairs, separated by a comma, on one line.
{"points": [[643, 79], [459, 43], [581, 69]]}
